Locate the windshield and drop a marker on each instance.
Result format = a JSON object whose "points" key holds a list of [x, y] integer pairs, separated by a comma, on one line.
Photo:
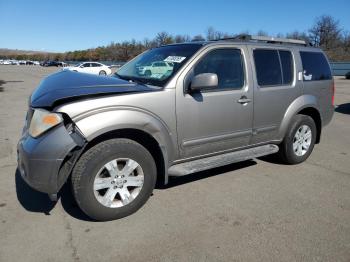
{"points": [[157, 65]]}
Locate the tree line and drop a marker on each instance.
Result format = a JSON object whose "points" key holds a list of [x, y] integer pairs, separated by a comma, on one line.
{"points": [[326, 33]]}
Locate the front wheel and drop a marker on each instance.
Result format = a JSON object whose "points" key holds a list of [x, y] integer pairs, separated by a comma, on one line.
{"points": [[299, 140], [113, 179], [102, 73]]}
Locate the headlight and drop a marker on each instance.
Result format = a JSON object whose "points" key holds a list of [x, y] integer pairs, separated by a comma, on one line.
{"points": [[42, 121]]}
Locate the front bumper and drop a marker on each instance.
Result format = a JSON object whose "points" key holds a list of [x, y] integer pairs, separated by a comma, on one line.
{"points": [[40, 159]]}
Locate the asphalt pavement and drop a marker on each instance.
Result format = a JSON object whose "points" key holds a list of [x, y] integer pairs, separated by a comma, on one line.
{"points": [[251, 211]]}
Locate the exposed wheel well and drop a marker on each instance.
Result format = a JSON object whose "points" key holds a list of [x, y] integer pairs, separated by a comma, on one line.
{"points": [[315, 115], [142, 138]]}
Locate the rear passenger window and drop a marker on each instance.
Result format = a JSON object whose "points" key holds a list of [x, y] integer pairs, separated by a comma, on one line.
{"points": [[315, 66], [227, 64], [273, 67]]}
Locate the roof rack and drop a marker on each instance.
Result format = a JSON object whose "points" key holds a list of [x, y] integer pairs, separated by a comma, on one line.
{"points": [[266, 39]]}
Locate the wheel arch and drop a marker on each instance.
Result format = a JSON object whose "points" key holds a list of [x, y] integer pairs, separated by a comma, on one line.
{"points": [[143, 138], [316, 116], [305, 105], [142, 127]]}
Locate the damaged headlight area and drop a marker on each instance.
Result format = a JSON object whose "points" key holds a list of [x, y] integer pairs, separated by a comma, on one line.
{"points": [[43, 121]]}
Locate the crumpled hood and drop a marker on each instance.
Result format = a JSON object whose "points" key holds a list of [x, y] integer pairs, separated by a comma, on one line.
{"points": [[68, 85]]}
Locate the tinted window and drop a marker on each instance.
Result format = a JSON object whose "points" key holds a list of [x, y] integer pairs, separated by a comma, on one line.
{"points": [[287, 66], [96, 65], [267, 66], [86, 65], [227, 64], [315, 66]]}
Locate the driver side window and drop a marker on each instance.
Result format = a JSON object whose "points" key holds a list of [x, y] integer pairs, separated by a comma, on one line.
{"points": [[227, 64]]}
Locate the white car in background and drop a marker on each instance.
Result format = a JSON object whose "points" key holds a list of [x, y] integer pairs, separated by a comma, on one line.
{"points": [[156, 68], [91, 68]]}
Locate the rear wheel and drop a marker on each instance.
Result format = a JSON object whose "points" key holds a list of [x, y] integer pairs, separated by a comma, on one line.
{"points": [[113, 179], [299, 140]]}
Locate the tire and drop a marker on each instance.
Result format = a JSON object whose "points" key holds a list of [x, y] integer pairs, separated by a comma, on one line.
{"points": [[102, 73], [88, 170], [289, 152]]}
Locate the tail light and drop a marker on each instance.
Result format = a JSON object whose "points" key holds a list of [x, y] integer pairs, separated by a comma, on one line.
{"points": [[333, 92]]}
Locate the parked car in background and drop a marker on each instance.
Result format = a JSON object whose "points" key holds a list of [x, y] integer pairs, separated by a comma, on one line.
{"points": [[62, 64], [6, 62], [347, 75], [156, 68], [52, 63], [36, 63], [91, 68]]}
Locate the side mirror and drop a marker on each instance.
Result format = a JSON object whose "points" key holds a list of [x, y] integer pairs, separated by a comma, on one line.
{"points": [[204, 81]]}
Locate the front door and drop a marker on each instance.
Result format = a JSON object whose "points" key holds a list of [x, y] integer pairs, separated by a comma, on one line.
{"points": [[219, 119]]}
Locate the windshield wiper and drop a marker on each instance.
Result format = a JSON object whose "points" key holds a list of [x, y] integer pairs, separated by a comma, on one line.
{"points": [[132, 79], [122, 77]]}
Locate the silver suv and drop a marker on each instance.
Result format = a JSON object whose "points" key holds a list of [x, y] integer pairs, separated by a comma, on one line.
{"points": [[218, 103]]}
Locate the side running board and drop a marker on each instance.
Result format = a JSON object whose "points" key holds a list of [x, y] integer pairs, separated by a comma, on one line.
{"points": [[186, 168]]}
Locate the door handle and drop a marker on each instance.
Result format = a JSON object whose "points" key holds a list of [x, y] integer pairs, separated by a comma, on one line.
{"points": [[244, 100]]}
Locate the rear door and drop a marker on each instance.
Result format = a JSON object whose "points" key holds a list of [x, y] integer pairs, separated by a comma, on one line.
{"points": [[276, 87], [213, 121]]}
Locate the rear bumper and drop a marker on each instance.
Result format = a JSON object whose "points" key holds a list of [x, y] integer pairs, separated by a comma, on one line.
{"points": [[40, 159]]}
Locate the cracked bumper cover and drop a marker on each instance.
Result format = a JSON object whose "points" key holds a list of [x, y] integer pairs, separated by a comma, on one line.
{"points": [[41, 159]]}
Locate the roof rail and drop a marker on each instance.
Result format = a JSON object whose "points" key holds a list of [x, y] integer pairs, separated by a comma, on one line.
{"points": [[266, 39]]}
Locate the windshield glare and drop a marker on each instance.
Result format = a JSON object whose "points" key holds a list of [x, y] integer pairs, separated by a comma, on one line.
{"points": [[157, 65]]}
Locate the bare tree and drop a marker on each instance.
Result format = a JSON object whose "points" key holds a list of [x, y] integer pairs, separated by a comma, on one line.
{"points": [[210, 33], [325, 32], [163, 38], [182, 38], [198, 38], [262, 33]]}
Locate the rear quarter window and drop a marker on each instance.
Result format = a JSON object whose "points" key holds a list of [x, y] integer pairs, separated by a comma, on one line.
{"points": [[315, 66]]}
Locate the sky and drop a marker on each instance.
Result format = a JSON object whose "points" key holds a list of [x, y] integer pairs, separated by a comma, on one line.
{"points": [[62, 25]]}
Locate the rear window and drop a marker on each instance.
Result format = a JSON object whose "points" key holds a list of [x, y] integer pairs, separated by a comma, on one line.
{"points": [[273, 67], [315, 66]]}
